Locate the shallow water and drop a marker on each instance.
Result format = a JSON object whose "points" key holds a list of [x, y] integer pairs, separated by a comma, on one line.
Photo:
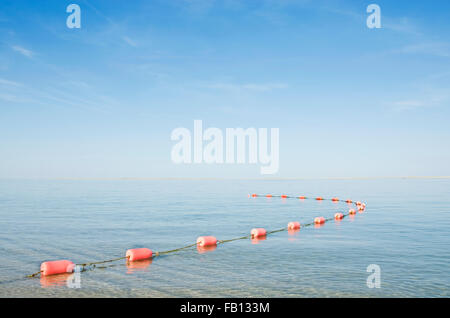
{"points": [[404, 230]]}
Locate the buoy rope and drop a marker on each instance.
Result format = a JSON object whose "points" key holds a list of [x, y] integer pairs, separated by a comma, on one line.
{"points": [[175, 250], [156, 254]]}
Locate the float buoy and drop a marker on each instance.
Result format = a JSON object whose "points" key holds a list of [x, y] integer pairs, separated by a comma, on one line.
{"points": [[319, 220], [293, 225], [258, 232], [206, 241], [137, 254], [338, 216], [57, 267]]}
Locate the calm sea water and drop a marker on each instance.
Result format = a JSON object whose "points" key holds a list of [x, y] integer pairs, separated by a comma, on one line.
{"points": [[405, 230]]}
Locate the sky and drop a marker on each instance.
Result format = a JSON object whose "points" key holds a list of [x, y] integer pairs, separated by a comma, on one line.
{"points": [[102, 101]]}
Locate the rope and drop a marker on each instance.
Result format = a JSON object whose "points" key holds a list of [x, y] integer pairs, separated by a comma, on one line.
{"points": [[175, 250], [102, 262], [156, 254]]}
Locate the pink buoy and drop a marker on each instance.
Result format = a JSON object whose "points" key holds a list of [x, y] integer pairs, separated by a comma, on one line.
{"points": [[57, 267], [206, 241], [293, 225], [258, 232], [338, 216], [319, 220], [137, 254]]}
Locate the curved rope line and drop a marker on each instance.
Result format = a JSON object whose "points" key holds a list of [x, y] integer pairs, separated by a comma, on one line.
{"points": [[156, 254]]}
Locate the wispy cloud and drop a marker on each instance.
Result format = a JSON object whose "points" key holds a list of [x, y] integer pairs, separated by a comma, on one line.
{"points": [[23, 51], [401, 25], [9, 83], [434, 48], [8, 97], [261, 87], [129, 41], [430, 100]]}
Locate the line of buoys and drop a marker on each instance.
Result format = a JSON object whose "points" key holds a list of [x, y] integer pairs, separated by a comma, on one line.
{"points": [[359, 205], [203, 243]]}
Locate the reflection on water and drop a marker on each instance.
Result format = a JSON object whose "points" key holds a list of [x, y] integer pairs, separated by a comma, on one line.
{"points": [[206, 249], [55, 280], [404, 230], [259, 239], [137, 266]]}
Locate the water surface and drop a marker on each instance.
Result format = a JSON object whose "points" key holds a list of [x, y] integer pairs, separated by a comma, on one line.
{"points": [[404, 230]]}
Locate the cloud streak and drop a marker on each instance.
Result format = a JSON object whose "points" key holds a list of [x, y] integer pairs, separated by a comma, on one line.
{"points": [[25, 52], [260, 87]]}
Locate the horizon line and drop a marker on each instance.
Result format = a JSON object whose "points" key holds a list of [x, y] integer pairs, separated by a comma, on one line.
{"points": [[219, 178]]}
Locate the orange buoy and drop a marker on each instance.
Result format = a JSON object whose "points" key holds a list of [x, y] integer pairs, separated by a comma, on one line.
{"points": [[206, 241], [351, 212], [302, 197], [293, 225], [57, 267], [338, 216], [137, 254], [254, 195], [284, 196], [358, 203], [258, 232], [335, 199], [319, 198], [349, 201], [319, 220], [269, 195]]}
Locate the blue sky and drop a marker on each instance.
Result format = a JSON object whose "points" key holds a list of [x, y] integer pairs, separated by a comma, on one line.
{"points": [[101, 101]]}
